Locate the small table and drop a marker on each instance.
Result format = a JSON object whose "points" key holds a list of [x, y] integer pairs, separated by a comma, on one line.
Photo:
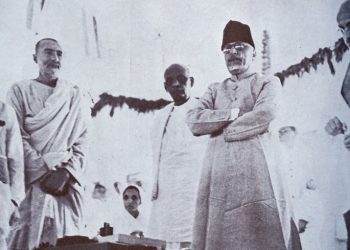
{"points": [[101, 246]]}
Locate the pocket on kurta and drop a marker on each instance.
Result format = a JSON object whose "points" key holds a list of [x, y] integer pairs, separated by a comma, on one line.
{"points": [[4, 174]]}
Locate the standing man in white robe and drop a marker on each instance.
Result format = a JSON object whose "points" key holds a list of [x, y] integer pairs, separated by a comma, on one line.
{"points": [[11, 170], [177, 156], [53, 119]]}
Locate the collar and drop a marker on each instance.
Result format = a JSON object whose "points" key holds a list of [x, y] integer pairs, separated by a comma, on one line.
{"points": [[188, 104], [242, 76]]}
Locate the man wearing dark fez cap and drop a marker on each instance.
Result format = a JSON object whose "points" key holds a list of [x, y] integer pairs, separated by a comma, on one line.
{"points": [[177, 157], [241, 202]]}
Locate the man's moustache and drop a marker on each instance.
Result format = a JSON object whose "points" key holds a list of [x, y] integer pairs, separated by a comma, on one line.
{"points": [[232, 59], [55, 65]]}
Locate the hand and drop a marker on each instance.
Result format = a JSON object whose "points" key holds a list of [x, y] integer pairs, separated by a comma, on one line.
{"points": [[137, 233], [55, 182], [302, 225], [15, 215], [347, 142], [334, 126], [154, 193]]}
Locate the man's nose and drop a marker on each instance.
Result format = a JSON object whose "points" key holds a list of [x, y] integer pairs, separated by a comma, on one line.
{"points": [[234, 51], [56, 57], [176, 83]]}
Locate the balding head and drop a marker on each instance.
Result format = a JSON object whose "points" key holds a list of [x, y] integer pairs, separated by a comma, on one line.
{"points": [[176, 69], [37, 45]]}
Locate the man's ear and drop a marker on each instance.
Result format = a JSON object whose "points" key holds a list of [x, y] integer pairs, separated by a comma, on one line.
{"points": [[34, 58], [192, 81], [165, 87]]}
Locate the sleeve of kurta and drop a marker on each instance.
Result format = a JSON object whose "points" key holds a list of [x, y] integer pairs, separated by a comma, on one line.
{"points": [[35, 166], [256, 121], [78, 162], [15, 159], [203, 119]]}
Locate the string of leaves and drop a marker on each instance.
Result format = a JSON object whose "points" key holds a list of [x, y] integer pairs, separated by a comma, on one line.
{"points": [[320, 57], [266, 58], [139, 105], [144, 106]]}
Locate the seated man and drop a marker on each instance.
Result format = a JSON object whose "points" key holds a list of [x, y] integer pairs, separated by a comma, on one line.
{"points": [[11, 169], [97, 209]]}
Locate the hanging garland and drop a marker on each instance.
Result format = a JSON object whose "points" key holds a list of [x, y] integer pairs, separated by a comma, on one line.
{"points": [[145, 106], [266, 58], [322, 55], [139, 105]]}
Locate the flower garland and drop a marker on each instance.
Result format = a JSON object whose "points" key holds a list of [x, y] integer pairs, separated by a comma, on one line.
{"points": [[144, 106]]}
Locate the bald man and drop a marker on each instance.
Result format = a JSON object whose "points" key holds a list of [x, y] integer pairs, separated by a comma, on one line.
{"points": [[177, 156]]}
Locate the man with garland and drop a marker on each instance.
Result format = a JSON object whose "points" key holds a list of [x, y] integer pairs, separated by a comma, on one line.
{"points": [[53, 119], [177, 156]]}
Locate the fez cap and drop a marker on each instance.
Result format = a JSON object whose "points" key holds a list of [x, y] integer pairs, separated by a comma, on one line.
{"points": [[237, 32]]}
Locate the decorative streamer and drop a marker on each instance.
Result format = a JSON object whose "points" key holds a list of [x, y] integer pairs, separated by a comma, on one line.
{"points": [[266, 58], [139, 105], [42, 4], [96, 37], [323, 55], [30, 11]]}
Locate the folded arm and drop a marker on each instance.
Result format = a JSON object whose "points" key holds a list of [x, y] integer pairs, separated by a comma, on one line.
{"points": [[256, 121], [204, 119]]}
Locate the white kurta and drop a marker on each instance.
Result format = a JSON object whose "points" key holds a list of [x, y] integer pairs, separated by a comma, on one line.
{"points": [[304, 189], [53, 124], [180, 157]]}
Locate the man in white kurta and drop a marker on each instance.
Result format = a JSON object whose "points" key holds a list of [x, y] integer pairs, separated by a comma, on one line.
{"points": [[53, 119], [305, 185], [11, 169], [177, 156]]}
